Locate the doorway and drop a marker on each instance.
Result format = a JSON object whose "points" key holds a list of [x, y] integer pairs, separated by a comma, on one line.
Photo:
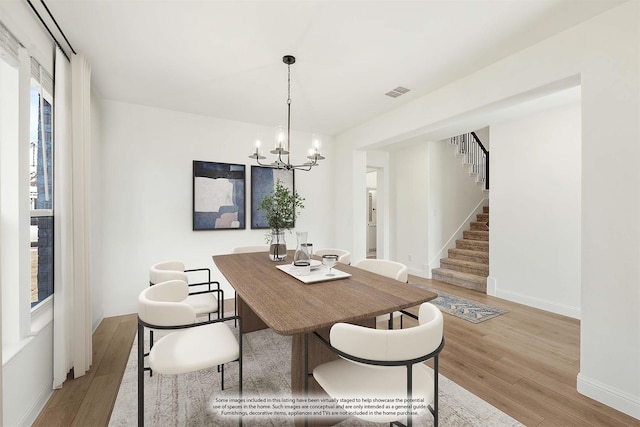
{"points": [[372, 213]]}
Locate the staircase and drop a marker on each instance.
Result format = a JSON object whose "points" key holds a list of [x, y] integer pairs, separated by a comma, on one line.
{"points": [[468, 263]]}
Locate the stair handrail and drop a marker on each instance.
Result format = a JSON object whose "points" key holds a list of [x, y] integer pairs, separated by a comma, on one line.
{"points": [[486, 164], [480, 143]]}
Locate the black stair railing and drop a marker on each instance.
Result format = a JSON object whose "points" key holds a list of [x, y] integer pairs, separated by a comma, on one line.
{"points": [[475, 155]]}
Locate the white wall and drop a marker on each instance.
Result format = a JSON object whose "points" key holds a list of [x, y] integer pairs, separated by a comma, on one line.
{"points": [[602, 53], [147, 156], [535, 211], [27, 380], [409, 206]]}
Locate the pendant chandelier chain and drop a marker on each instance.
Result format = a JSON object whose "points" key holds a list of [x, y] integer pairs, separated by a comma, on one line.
{"points": [[288, 110]]}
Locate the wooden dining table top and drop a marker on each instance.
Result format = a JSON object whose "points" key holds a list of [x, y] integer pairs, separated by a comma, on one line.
{"points": [[290, 307]]}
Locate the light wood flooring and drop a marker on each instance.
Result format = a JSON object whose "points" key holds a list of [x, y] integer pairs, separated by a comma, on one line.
{"points": [[524, 362]]}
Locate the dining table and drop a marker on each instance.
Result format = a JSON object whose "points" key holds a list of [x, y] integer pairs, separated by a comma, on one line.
{"points": [[268, 296]]}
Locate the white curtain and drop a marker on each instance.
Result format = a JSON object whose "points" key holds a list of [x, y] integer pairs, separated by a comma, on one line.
{"points": [[72, 298]]}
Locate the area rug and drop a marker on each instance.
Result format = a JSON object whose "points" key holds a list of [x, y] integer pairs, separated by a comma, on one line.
{"points": [[463, 308], [195, 399]]}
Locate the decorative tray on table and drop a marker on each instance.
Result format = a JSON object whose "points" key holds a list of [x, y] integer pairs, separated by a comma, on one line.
{"points": [[316, 275]]}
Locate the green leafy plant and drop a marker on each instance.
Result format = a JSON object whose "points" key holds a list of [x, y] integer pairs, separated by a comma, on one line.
{"points": [[281, 207]]}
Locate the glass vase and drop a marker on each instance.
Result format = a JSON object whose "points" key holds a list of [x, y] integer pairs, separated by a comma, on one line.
{"points": [[302, 250], [278, 246]]}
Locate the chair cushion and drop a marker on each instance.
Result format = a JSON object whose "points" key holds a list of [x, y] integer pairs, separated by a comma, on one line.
{"points": [[203, 303], [192, 349], [163, 304], [342, 379], [382, 344]]}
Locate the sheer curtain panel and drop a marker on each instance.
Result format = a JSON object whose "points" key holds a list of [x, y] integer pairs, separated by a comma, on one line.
{"points": [[72, 304], [81, 137], [63, 223]]}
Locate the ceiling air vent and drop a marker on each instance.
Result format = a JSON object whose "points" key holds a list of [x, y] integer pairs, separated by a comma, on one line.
{"points": [[397, 92]]}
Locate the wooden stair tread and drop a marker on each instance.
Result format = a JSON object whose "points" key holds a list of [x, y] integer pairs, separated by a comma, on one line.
{"points": [[465, 266], [469, 252], [476, 235], [481, 245], [460, 274], [480, 226], [458, 278]]}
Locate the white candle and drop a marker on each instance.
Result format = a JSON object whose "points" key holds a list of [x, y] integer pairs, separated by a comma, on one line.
{"points": [[279, 137], [316, 142]]}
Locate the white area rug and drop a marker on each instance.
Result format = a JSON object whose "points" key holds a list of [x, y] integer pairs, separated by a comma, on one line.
{"points": [[188, 400]]}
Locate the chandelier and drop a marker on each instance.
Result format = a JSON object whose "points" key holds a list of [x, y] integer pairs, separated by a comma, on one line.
{"points": [[283, 141]]}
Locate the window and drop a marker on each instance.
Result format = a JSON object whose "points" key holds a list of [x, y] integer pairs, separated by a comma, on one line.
{"points": [[26, 195], [41, 184]]}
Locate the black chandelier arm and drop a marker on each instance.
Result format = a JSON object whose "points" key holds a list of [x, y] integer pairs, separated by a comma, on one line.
{"points": [[279, 164]]}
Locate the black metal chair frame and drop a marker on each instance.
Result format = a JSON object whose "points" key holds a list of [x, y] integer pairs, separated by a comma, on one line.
{"points": [[141, 355], [209, 283], [403, 312], [407, 363]]}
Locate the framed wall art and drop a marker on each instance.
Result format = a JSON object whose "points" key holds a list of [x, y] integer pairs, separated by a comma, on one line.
{"points": [[263, 182], [218, 196]]}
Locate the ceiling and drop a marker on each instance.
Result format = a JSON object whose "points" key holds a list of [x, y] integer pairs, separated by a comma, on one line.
{"points": [[224, 58]]}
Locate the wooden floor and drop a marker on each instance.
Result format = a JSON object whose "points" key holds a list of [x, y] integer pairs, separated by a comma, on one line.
{"points": [[88, 400], [524, 362]]}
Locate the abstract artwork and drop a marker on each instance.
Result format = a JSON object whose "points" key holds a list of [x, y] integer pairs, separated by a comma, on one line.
{"points": [[218, 196], [263, 182]]}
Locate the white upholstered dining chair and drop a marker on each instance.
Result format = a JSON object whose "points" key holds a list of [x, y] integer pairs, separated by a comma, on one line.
{"points": [[190, 346], [206, 301], [384, 364], [388, 268], [344, 257], [249, 249]]}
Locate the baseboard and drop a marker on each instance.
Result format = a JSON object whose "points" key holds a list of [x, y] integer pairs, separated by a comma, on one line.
{"points": [[36, 407], [565, 310], [617, 399], [492, 286]]}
